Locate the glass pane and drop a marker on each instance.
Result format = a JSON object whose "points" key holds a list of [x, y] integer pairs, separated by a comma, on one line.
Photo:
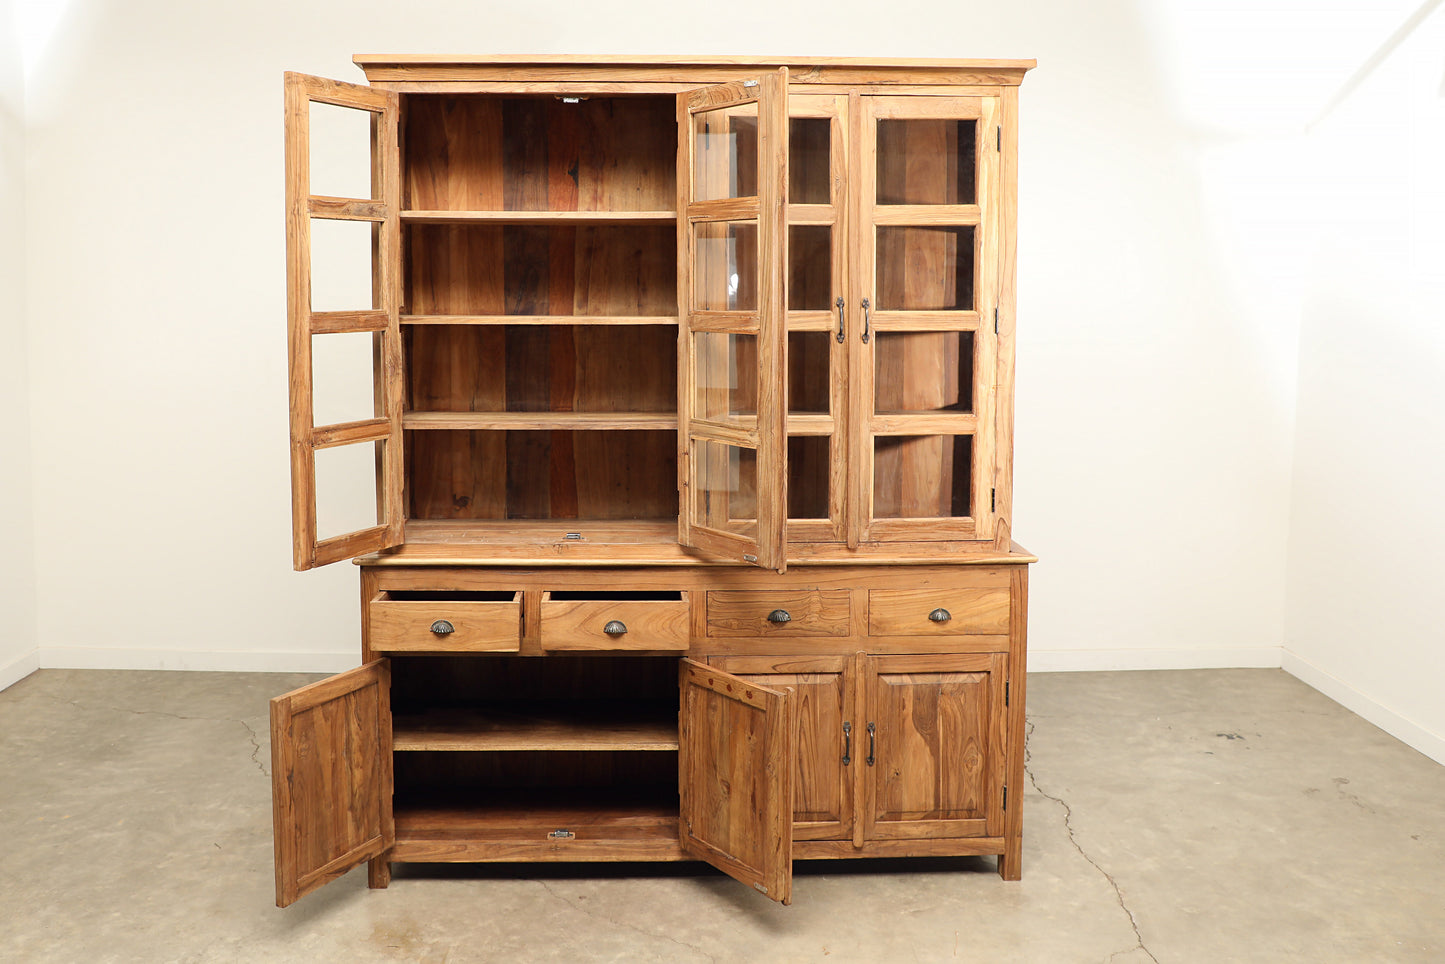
{"points": [[810, 267], [926, 162], [725, 153], [725, 487], [346, 488], [725, 276], [808, 469], [342, 384], [808, 156], [923, 371], [922, 476], [809, 371], [726, 375], [340, 143], [925, 268], [341, 265]]}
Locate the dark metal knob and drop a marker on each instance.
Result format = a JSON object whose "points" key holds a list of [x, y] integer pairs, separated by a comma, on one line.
{"points": [[615, 627], [940, 615], [780, 616], [441, 627]]}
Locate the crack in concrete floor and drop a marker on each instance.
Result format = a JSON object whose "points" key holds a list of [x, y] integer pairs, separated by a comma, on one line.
{"points": [[1074, 840], [251, 733]]}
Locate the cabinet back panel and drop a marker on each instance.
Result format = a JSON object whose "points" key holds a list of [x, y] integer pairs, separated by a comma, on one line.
{"points": [[542, 368], [442, 680], [484, 152], [550, 270], [541, 474]]}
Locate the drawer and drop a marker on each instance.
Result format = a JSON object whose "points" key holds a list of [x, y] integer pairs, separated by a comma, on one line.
{"points": [[907, 612], [651, 621], [443, 622], [797, 612]]}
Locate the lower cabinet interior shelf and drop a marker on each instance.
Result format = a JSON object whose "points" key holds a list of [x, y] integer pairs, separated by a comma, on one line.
{"points": [[520, 727]]}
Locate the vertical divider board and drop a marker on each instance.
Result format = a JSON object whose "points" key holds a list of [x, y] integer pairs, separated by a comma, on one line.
{"points": [[766, 434], [382, 320]]}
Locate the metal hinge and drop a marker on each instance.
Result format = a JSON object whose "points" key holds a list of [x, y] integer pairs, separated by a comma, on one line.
{"points": [[993, 500], [999, 144], [995, 319], [1005, 796], [1005, 692], [561, 835]]}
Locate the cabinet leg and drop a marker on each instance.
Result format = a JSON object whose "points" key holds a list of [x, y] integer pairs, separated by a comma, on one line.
{"points": [[378, 872], [1010, 862]]}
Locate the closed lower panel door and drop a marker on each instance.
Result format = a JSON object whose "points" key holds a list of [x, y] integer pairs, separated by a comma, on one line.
{"points": [[932, 743]]}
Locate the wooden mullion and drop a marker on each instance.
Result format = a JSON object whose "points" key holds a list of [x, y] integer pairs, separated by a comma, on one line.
{"points": [[351, 433], [863, 249], [926, 215], [985, 342], [346, 209], [540, 421], [338, 93], [813, 320], [735, 322], [348, 546], [743, 433], [686, 253], [923, 423], [887, 321], [341, 322], [536, 217], [725, 209], [587, 320], [812, 213]]}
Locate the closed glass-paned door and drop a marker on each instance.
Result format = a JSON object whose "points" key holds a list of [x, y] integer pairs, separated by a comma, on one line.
{"points": [[929, 171]]}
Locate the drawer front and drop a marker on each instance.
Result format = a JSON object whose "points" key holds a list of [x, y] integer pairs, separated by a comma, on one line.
{"points": [[410, 625], [911, 612], [636, 624], [809, 612]]}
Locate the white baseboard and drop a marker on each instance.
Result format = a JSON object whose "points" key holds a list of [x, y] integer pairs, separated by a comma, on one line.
{"points": [[1407, 732], [17, 669], [1098, 660], [94, 657]]}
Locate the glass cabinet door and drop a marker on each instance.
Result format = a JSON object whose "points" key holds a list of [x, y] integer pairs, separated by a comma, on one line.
{"points": [[731, 247], [817, 355], [925, 378]]}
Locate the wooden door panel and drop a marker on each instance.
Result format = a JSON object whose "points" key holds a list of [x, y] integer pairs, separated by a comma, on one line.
{"points": [[735, 777], [331, 778], [935, 747], [825, 754]]}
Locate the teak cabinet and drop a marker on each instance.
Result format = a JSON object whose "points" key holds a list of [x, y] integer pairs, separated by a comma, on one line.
{"points": [[689, 419]]}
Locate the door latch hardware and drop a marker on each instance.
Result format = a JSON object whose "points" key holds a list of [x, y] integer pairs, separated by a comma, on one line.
{"points": [[840, 304], [561, 835], [872, 734], [866, 323], [573, 535], [751, 83], [847, 743]]}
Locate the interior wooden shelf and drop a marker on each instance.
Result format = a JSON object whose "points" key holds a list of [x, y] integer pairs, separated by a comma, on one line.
{"points": [[538, 217], [581, 725], [540, 421], [539, 319], [499, 532]]}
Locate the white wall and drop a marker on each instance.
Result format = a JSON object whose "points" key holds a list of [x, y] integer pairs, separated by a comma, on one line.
{"points": [[1152, 441], [18, 655], [1366, 572]]}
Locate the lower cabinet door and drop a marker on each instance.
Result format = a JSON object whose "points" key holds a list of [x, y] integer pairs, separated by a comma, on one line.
{"points": [[932, 743], [826, 744], [735, 777], [331, 778]]}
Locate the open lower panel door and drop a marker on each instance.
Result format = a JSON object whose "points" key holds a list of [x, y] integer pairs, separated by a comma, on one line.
{"points": [[735, 778], [370, 316], [732, 171], [331, 778]]}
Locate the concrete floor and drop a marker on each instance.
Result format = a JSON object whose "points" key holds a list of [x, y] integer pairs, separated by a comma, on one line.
{"points": [[1213, 816]]}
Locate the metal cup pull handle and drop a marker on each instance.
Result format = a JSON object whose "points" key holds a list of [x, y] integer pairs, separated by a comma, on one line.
{"points": [[780, 616], [615, 627], [940, 615], [442, 628]]}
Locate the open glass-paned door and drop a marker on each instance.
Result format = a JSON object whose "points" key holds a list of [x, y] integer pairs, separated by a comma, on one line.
{"points": [[735, 777], [347, 459], [732, 249], [331, 778], [927, 350]]}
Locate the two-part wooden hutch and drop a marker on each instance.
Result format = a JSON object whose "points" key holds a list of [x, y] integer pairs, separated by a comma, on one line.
{"points": [[690, 425]]}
